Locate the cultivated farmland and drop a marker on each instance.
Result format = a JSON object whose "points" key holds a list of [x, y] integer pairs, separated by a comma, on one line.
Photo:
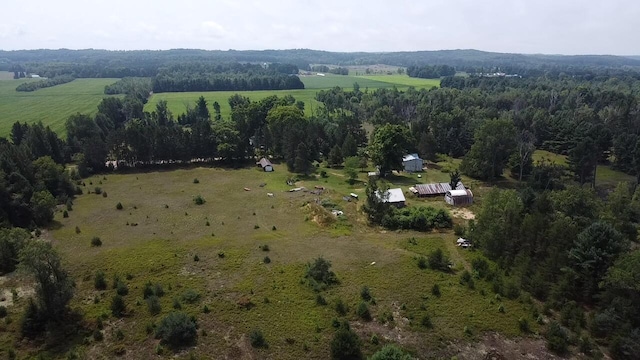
{"points": [[52, 105]]}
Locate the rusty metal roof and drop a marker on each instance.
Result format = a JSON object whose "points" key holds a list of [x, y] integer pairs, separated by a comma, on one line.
{"points": [[436, 188]]}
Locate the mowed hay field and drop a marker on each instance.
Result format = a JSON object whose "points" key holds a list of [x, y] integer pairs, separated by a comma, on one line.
{"points": [[179, 102], [160, 230], [51, 105]]}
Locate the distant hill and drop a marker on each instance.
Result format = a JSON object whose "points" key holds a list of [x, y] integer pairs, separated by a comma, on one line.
{"points": [[303, 57]]}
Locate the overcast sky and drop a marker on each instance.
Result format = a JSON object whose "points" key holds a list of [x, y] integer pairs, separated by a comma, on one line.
{"points": [[522, 26]]}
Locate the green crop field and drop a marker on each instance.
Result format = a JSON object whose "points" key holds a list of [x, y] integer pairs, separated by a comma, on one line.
{"points": [[51, 105], [159, 232], [178, 102], [402, 80]]}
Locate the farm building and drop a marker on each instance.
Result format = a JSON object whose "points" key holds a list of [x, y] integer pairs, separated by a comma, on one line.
{"points": [[265, 164], [436, 189], [459, 197], [394, 197], [412, 163]]}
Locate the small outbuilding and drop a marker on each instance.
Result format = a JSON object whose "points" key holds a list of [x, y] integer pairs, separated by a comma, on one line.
{"points": [[459, 197], [265, 164], [394, 197], [412, 163]]}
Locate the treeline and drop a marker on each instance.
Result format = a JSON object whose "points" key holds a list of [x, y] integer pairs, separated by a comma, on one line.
{"points": [[430, 72], [332, 70], [144, 63], [32, 176], [139, 88], [226, 77], [45, 83]]}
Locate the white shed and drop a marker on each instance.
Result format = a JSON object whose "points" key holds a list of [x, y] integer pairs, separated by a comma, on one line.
{"points": [[412, 163], [394, 197], [459, 197]]}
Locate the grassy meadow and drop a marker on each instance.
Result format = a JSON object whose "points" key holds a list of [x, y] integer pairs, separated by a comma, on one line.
{"points": [[160, 230], [51, 105]]}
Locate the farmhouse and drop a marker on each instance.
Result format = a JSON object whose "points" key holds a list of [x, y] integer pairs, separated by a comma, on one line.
{"points": [[412, 163], [436, 189], [394, 197], [459, 197], [265, 164]]}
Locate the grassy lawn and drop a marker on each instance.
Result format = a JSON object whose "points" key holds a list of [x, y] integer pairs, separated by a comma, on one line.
{"points": [[405, 80], [160, 230], [51, 105]]}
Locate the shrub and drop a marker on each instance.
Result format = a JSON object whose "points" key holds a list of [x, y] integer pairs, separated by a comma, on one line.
{"points": [[77, 230], [190, 296], [375, 340], [97, 335], [523, 324], [122, 289], [104, 194], [422, 263], [176, 304], [118, 307], [177, 329], [97, 190], [426, 322], [345, 344], [273, 228], [119, 335], [266, 260], [99, 281], [501, 309], [459, 230], [438, 261], [365, 293], [69, 205], [95, 241], [153, 305], [196, 181], [264, 247], [435, 290], [196, 258], [467, 331], [257, 340], [480, 267], [390, 352], [65, 214], [206, 310], [320, 300], [119, 206], [3, 312], [320, 275], [199, 200], [363, 311], [158, 290], [557, 339], [256, 226], [341, 308]]}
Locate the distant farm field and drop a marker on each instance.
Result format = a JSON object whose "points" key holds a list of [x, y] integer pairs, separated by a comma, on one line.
{"points": [[52, 105], [178, 102]]}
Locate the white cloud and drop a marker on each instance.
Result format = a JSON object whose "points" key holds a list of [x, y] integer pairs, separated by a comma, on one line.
{"points": [[543, 26]]}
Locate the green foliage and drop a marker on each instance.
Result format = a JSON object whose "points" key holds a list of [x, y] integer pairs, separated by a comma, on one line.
{"points": [[557, 339], [11, 243], [43, 205], [118, 307], [365, 293], [191, 296], [363, 311], [426, 322], [523, 324], [435, 290], [390, 352], [177, 330], [153, 305], [196, 181], [493, 145], [266, 260], [438, 261], [3, 312], [351, 168], [335, 156], [341, 307], [257, 339], [345, 344], [199, 200], [422, 263], [389, 143], [99, 281], [320, 275], [65, 214], [119, 206], [95, 241]]}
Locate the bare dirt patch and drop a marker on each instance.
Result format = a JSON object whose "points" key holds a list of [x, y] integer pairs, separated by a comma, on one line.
{"points": [[463, 213]]}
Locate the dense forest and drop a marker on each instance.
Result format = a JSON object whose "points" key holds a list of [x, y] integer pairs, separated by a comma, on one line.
{"points": [[556, 234], [430, 72], [44, 83]]}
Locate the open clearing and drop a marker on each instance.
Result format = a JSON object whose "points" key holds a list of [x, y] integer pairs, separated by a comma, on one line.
{"points": [[51, 105], [160, 230]]}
